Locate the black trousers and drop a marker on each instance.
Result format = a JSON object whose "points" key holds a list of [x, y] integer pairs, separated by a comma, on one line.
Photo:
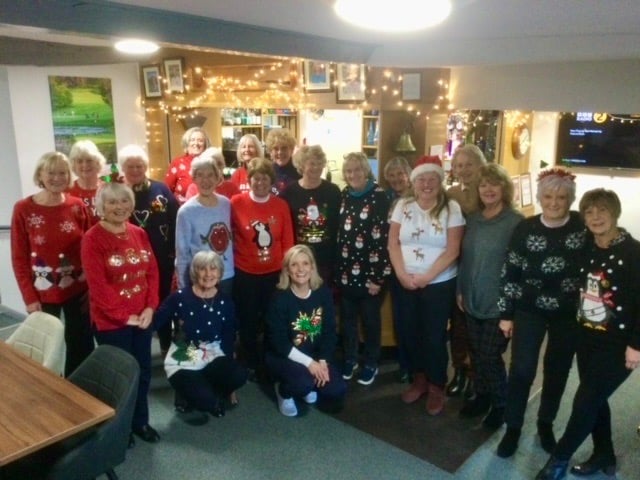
{"points": [[601, 365], [528, 333], [252, 295], [78, 335]]}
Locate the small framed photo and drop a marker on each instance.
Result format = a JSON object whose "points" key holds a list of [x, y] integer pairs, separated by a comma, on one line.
{"points": [[173, 70], [517, 194], [152, 81], [411, 83], [317, 76], [525, 189], [351, 83]]}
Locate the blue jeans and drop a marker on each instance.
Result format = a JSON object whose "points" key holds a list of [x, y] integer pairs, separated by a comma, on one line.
{"points": [[426, 312], [529, 330]]}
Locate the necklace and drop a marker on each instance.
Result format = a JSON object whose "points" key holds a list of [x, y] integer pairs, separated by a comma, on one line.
{"points": [[208, 301]]}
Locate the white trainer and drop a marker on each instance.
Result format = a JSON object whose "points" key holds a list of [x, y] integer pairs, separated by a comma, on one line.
{"points": [[287, 406], [311, 397]]}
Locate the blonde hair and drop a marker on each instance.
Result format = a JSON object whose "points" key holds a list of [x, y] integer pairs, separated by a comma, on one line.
{"points": [[250, 137], [187, 137], [280, 136], [48, 161], [497, 175], [306, 153], [285, 280]]}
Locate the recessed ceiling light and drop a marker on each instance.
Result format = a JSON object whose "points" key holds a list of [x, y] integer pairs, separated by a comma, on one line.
{"points": [[393, 16], [136, 46]]}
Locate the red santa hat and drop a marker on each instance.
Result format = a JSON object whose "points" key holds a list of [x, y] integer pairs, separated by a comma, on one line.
{"points": [[426, 164]]}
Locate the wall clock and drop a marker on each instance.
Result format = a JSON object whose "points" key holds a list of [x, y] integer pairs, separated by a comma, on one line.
{"points": [[520, 141]]}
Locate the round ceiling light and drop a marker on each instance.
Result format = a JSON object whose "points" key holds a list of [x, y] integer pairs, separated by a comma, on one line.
{"points": [[136, 46], [393, 16]]}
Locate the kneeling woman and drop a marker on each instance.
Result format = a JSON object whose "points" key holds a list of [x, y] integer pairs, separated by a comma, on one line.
{"points": [[301, 336], [200, 365]]}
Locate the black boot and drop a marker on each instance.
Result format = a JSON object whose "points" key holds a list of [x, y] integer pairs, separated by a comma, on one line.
{"points": [[554, 469], [509, 443], [494, 419], [458, 383], [597, 462], [547, 438], [476, 407], [469, 392]]}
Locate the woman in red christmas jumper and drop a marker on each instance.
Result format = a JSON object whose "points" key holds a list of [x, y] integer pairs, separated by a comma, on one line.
{"points": [[46, 231], [249, 147], [262, 233], [123, 278], [86, 163], [178, 177]]}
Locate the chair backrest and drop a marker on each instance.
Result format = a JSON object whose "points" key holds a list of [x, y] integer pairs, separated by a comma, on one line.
{"points": [[111, 375], [41, 337]]}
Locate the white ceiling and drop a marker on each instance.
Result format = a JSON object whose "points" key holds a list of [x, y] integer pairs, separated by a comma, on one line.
{"points": [[478, 32]]}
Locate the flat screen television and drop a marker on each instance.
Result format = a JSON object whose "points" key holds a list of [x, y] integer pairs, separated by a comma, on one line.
{"points": [[602, 140]]}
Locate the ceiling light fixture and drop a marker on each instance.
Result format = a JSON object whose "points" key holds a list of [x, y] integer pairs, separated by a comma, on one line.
{"points": [[136, 46], [397, 16]]}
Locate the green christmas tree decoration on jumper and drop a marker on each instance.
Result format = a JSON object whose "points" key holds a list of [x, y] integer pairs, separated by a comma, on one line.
{"points": [[307, 326]]}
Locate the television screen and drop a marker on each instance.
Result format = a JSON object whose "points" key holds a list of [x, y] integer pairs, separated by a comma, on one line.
{"points": [[605, 140]]}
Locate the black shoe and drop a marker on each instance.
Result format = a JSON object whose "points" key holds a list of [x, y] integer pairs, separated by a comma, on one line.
{"points": [[132, 441], [509, 443], [476, 407], [183, 408], [147, 433], [457, 384], [606, 463], [469, 392], [494, 419], [553, 470], [218, 409], [547, 438]]}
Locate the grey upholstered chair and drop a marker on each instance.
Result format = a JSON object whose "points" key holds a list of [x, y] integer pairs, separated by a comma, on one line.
{"points": [[41, 337]]}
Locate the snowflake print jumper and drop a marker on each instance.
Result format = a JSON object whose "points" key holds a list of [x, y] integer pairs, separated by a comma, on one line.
{"points": [[45, 249], [207, 325], [362, 240], [609, 297], [155, 211], [314, 213], [307, 324], [541, 269], [178, 177], [203, 228], [423, 238], [88, 197], [122, 274], [262, 233]]}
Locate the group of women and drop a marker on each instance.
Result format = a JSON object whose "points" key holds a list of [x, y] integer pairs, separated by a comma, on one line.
{"points": [[272, 261]]}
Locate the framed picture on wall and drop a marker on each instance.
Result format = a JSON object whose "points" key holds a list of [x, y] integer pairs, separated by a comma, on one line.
{"points": [[173, 70], [152, 81], [517, 195], [317, 76], [525, 189], [411, 86], [351, 83]]}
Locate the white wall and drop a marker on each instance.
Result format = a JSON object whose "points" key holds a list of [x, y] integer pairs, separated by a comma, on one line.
{"points": [[26, 132], [545, 89]]}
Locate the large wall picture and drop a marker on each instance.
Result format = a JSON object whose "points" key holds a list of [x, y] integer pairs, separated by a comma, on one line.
{"points": [[82, 109], [351, 82]]}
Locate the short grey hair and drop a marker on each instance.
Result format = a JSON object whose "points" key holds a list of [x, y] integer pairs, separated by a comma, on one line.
{"points": [[112, 190], [207, 159], [362, 160], [555, 179], [85, 149], [132, 151], [203, 259]]}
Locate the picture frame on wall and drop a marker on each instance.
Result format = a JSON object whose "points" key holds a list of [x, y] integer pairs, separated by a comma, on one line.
{"points": [[317, 76], [526, 190], [411, 83], [351, 83], [173, 70], [517, 192], [152, 80]]}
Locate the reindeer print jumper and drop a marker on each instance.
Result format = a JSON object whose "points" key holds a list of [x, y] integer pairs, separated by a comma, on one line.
{"points": [[423, 238]]}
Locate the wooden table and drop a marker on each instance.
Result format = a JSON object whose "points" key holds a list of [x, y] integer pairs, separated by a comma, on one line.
{"points": [[38, 408]]}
